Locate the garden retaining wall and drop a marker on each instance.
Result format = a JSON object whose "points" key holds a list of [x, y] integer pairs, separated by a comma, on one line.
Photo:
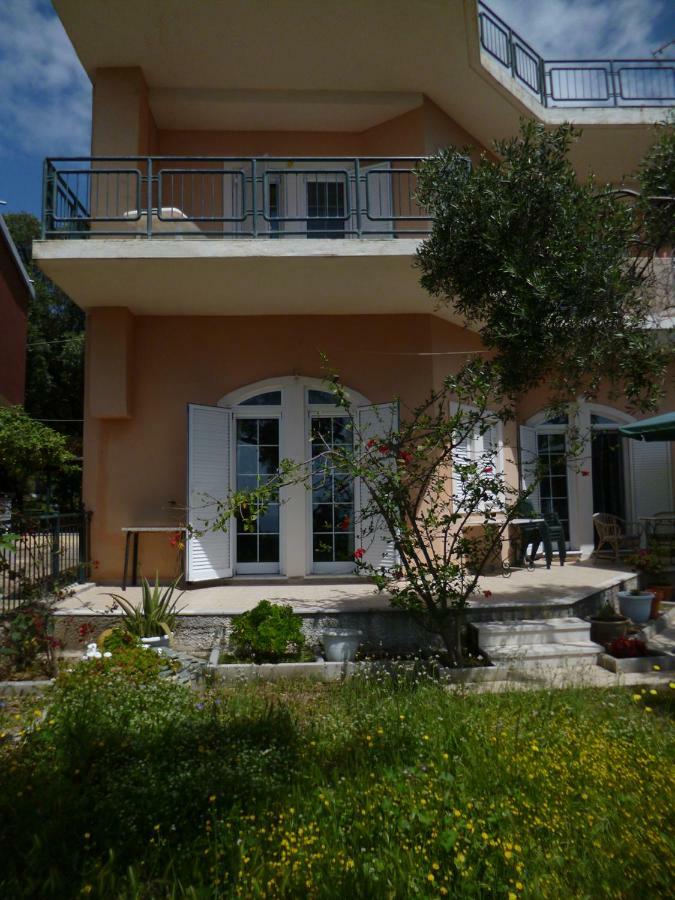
{"points": [[393, 630]]}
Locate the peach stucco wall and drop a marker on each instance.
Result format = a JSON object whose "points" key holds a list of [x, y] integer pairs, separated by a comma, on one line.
{"points": [[135, 468], [13, 325], [123, 124]]}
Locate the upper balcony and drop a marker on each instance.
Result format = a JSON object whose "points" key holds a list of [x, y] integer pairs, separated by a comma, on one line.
{"points": [[177, 235], [572, 84], [233, 198]]}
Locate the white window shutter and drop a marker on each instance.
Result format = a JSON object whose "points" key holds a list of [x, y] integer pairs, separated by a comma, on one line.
{"points": [[209, 555], [374, 422], [650, 469], [529, 459]]}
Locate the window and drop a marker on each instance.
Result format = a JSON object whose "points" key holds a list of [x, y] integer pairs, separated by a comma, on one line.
{"points": [[332, 493], [269, 398], [485, 448]]}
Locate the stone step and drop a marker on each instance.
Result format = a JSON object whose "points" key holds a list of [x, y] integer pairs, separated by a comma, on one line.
{"points": [[495, 635], [556, 655]]}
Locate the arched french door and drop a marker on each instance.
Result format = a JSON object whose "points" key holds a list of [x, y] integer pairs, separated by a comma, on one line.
{"points": [[309, 528], [612, 474]]}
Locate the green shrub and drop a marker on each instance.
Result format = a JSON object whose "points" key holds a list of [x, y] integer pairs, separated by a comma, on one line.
{"points": [[268, 633]]}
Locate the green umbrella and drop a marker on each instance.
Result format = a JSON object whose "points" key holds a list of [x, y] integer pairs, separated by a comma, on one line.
{"points": [[658, 428]]}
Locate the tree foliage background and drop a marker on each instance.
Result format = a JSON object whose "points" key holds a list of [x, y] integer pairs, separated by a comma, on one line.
{"points": [[55, 354], [554, 271]]}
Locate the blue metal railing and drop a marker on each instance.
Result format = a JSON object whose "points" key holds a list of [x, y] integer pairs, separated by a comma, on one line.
{"points": [[227, 197], [570, 83]]}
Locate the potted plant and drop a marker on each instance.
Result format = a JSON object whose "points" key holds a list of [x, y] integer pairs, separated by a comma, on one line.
{"points": [[637, 603], [340, 644], [154, 620], [607, 624], [657, 583]]}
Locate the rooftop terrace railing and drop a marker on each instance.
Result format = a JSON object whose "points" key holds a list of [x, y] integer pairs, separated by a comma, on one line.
{"points": [[570, 83], [226, 197]]}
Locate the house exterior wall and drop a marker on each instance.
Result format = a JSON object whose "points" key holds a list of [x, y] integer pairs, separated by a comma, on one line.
{"points": [[14, 297], [135, 467]]}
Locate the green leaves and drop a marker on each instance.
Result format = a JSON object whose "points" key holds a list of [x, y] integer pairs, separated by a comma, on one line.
{"points": [[157, 613], [28, 449], [546, 267]]}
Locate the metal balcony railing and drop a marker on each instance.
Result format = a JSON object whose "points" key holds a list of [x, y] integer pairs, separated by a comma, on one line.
{"points": [[570, 83], [225, 197]]}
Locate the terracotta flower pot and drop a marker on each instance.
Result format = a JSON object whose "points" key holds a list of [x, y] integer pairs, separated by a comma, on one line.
{"points": [[662, 594]]}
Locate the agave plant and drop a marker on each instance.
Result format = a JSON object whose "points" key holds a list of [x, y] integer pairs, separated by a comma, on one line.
{"points": [[157, 612]]}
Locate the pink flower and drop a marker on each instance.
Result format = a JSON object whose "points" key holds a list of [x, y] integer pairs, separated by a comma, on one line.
{"points": [[360, 553]]}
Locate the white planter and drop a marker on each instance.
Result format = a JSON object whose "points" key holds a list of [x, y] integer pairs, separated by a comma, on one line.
{"points": [[636, 606], [341, 644], [156, 643]]}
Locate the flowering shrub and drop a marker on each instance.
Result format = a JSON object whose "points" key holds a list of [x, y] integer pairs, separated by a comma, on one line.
{"points": [[27, 640], [627, 648]]}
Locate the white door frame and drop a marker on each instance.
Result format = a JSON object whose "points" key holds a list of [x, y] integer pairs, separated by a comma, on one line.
{"points": [[580, 487], [295, 557]]}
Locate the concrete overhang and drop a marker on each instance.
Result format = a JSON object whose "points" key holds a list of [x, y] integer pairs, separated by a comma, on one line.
{"points": [[198, 58], [240, 277], [204, 109]]}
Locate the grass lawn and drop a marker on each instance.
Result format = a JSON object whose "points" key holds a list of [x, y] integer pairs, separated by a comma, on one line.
{"points": [[139, 788]]}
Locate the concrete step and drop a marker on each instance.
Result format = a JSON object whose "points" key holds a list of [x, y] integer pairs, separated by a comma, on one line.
{"points": [[496, 635], [555, 655]]}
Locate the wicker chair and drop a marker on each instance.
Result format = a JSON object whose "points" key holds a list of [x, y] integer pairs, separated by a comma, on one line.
{"points": [[612, 532]]}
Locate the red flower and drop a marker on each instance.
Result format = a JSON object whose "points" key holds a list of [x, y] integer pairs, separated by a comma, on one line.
{"points": [[488, 469], [405, 457], [360, 553], [371, 443], [487, 594], [344, 524], [383, 449], [585, 473]]}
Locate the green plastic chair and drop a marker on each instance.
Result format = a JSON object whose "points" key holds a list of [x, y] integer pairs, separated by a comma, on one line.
{"points": [[556, 534]]}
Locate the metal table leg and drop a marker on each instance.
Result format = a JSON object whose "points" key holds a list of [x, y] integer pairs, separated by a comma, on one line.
{"points": [[126, 560], [134, 567]]}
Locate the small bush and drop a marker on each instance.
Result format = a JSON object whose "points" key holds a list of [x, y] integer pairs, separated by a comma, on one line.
{"points": [[268, 633]]}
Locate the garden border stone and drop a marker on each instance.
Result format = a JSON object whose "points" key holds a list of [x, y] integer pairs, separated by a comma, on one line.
{"points": [[639, 664]]}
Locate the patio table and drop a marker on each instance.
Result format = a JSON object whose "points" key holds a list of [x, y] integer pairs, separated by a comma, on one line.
{"points": [[548, 549], [135, 531]]}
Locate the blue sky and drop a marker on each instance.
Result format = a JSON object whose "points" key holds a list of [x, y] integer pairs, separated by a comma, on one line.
{"points": [[45, 96]]}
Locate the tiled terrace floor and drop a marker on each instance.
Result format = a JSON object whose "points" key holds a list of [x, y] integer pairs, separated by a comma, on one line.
{"points": [[555, 586]]}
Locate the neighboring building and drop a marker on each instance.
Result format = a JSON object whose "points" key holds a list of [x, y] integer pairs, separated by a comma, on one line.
{"points": [[16, 292], [274, 145]]}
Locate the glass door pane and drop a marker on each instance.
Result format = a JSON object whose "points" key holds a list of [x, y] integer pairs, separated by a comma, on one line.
{"points": [[332, 496], [553, 490], [325, 209], [609, 482], [257, 462]]}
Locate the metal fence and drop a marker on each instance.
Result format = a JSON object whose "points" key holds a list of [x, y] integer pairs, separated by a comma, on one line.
{"points": [[45, 551], [272, 197], [570, 83]]}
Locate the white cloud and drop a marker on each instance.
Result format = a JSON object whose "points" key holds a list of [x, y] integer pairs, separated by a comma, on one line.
{"points": [[45, 95], [584, 29]]}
